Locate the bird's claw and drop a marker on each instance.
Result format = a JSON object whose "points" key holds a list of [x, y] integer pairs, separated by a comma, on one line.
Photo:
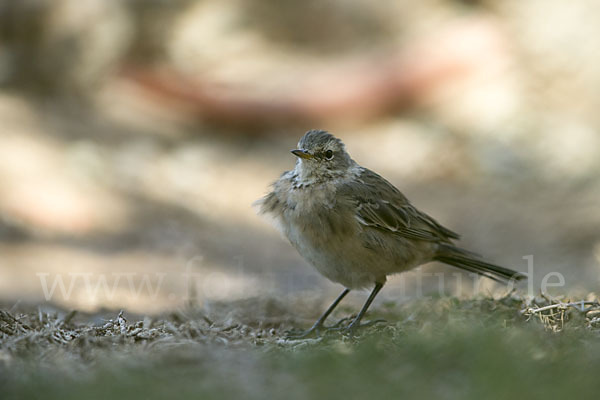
{"points": [[314, 331], [340, 326], [352, 328]]}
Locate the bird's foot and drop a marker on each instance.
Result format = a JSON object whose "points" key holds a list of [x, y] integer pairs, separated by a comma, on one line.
{"points": [[314, 331], [346, 326], [353, 327]]}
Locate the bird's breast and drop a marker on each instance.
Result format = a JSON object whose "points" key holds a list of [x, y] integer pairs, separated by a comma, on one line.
{"points": [[314, 212]]}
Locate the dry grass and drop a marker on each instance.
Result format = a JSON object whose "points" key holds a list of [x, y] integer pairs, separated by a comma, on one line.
{"points": [[554, 313], [259, 322], [434, 347]]}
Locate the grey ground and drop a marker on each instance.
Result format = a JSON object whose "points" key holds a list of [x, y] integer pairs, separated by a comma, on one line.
{"points": [[444, 348]]}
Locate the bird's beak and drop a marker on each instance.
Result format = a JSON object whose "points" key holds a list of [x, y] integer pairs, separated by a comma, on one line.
{"points": [[302, 154]]}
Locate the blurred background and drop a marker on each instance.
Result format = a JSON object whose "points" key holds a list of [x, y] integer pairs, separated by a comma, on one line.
{"points": [[135, 136]]}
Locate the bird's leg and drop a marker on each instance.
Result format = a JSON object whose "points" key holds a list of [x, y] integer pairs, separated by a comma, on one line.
{"points": [[321, 321], [356, 323]]}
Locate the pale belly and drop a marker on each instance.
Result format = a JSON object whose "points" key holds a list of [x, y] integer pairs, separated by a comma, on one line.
{"points": [[353, 257]]}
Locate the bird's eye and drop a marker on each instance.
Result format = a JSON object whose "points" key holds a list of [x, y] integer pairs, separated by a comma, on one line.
{"points": [[329, 154]]}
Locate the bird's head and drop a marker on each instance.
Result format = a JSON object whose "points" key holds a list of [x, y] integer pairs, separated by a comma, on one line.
{"points": [[321, 156]]}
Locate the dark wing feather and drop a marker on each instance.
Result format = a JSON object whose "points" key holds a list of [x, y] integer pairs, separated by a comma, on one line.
{"points": [[381, 206]]}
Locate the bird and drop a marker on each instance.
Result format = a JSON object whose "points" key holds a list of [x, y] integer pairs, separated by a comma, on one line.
{"points": [[355, 227]]}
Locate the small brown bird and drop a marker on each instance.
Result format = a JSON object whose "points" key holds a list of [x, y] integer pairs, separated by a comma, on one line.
{"points": [[355, 227]]}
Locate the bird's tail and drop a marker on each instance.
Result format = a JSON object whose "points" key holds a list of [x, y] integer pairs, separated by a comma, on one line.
{"points": [[468, 261]]}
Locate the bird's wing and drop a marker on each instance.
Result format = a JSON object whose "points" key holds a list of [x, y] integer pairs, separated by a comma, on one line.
{"points": [[381, 206]]}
